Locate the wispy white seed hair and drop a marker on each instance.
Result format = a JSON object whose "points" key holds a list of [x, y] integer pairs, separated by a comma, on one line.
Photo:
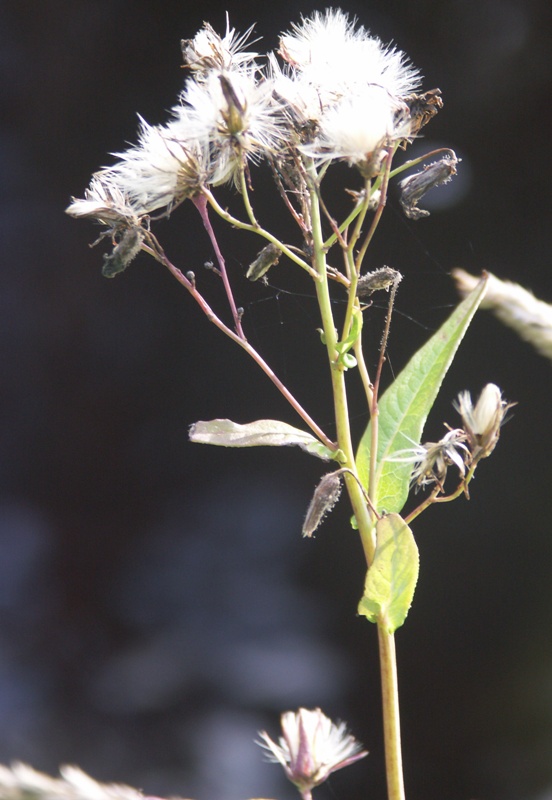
{"points": [[168, 164], [486, 412], [516, 307], [355, 127]]}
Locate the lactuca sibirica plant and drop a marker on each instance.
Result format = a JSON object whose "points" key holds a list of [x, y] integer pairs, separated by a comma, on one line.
{"points": [[330, 93]]}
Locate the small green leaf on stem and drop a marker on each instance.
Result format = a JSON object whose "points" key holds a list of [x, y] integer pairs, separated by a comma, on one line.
{"points": [[356, 327], [392, 576], [272, 432], [345, 358]]}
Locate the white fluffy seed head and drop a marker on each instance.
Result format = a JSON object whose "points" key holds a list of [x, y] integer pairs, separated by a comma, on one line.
{"points": [[332, 51]]}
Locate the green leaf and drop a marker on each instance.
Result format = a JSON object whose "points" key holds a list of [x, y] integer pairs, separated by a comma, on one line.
{"points": [[356, 326], [348, 360], [404, 407], [225, 433], [392, 576], [345, 358]]}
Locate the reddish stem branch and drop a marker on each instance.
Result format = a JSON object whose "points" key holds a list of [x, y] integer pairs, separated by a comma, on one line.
{"points": [[200, 202]]}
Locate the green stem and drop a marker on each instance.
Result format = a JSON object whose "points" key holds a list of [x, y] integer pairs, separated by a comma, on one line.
{"points": [[379, 210], [391, 717], [244, 226], [365, 521]]}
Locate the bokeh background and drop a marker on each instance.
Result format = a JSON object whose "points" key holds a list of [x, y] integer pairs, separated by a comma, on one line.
{"points": [[157, 603]]}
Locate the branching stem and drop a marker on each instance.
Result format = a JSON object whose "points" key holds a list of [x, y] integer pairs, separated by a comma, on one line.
{"points": [[200, 203], [188, 284]]}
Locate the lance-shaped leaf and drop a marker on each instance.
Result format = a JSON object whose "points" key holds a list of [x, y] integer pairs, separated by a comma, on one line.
{"points": [[404, 407], [272, 432], [392, 576]]}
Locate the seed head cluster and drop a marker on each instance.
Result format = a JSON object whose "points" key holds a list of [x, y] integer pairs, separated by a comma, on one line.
{"points": [[330, 92]]}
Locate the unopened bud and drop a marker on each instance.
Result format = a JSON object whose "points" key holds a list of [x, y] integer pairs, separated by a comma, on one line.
{"points": [[482, 422], [234, 115]]}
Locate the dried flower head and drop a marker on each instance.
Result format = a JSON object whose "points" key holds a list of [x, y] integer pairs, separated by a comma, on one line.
{"points": [[208, 50], [416, 186], [482, 422], [312, 747], [422, 108], [127, 246], [431, 460], [105, 201]]}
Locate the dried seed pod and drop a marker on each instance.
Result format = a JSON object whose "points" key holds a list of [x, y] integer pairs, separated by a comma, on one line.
{"points": [[268, 257], [415, 186], [423, 108], [323, 500], [382, 278], [126, 249]]}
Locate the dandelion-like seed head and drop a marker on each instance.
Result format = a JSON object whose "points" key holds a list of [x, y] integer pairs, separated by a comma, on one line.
{"points": [[311, 747], [357, 129], [339, 51], [169, 164], [208, 50], [235, 115], [347, 82]]}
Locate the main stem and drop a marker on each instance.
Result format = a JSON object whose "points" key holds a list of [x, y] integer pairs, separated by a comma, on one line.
{"points": [[391, 714], [365, 520]]}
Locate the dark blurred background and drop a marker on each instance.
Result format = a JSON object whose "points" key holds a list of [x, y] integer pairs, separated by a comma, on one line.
{"points": [[157, 603]]}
